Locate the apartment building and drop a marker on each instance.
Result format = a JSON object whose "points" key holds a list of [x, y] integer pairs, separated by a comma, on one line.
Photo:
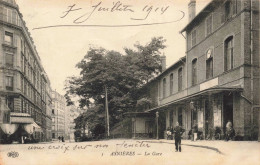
{"points": [[23, 80], [58, 115]]}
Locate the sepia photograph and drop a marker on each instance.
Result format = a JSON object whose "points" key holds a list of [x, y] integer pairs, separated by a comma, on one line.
{"points": [[124, 82]]}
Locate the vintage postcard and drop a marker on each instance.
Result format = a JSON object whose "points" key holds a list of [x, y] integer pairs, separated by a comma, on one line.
{"points": [[122, 82]]}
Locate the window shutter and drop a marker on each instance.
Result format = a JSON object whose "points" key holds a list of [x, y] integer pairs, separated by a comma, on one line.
{"points": [[234, 7], [1, 12], [223, 14], [14, 40], [5, 14], [14, 17], [9, 16]]}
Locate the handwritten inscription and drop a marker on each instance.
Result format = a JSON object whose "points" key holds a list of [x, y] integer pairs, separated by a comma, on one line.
{"points": [[134, 145], [77, 15], [122, 148], [115, 7]]}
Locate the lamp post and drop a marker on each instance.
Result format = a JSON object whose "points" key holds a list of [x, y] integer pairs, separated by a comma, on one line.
{"points": [[107, 113], [157, 123], [192, 108]]}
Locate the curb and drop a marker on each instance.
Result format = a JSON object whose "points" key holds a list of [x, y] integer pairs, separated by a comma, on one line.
{"points": [[200, 146]]}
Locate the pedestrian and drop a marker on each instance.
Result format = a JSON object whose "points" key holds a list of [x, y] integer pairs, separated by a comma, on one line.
{"points": [[194, 131], [59, 138], [178, 131], [62, 139], [169, 133], [230, 133]]}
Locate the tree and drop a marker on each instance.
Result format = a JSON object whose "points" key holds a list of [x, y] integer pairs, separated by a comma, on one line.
{"points": [[122, 75]]}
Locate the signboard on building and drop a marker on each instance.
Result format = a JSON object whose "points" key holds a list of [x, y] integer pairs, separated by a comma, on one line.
{"points": [[209, 84]]}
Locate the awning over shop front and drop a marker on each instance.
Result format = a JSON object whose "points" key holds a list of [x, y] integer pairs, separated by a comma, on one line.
{"points": [[30, 128], [201, 93], [21, 118]]}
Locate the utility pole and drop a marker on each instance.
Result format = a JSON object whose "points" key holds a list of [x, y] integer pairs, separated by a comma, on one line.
{"points": [[157, 123], [107, 114]]}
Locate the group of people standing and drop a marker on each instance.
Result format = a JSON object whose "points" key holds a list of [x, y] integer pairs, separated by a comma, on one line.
{"points": [[178, 131], [61, 138]]}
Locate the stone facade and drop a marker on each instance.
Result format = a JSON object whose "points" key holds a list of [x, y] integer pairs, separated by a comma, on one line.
{"points": [[58, 115], [22, 77], [218, 79]]}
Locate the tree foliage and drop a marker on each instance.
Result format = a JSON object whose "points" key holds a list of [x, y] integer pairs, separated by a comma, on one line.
{"points": [[123, 75]]}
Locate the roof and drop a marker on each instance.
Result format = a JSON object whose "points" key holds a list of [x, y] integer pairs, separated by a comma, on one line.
{"points": [[142, 114], [204, 92], [182, 59], [203, 13]]}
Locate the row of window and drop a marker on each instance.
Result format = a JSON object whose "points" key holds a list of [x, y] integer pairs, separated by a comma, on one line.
{"points": [[27, 107], [228, 65], [26, 89], [227, 11], [10, 15], [171, 83], [29, 65]]}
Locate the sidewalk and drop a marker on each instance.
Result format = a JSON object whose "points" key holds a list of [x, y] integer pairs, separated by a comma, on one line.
{"points": [[223, 147]]}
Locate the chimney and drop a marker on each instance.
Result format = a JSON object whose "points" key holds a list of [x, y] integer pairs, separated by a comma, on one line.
{"points": [[192, 9], [163, 62]]}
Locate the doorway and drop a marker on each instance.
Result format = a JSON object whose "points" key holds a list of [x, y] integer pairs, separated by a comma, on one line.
{"points": [[227, 109]]}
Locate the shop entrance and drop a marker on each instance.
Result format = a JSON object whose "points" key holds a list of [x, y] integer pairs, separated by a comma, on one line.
{"points": [[227, 109]]}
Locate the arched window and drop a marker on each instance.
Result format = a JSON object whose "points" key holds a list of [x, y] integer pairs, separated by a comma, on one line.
{"points": [[209, 64], [228, 56], [194, 71], [171, 83], [180, 79], [164, 87]]}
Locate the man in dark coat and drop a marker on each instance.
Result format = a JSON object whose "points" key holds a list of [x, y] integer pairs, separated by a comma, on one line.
{"points": [[178, 131]]}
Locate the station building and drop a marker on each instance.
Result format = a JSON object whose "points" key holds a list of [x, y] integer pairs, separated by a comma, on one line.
{"points": [[218, 79]]}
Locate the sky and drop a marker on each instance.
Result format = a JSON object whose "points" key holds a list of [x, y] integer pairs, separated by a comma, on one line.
{"points": [[61, 48]]}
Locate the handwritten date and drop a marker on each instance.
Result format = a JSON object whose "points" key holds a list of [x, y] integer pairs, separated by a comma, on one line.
{"points": [[115, 7]]}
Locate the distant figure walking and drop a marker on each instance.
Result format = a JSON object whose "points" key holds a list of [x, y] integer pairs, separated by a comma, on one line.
{"points": [[178, 131], [59, 138], [62, 139]]}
